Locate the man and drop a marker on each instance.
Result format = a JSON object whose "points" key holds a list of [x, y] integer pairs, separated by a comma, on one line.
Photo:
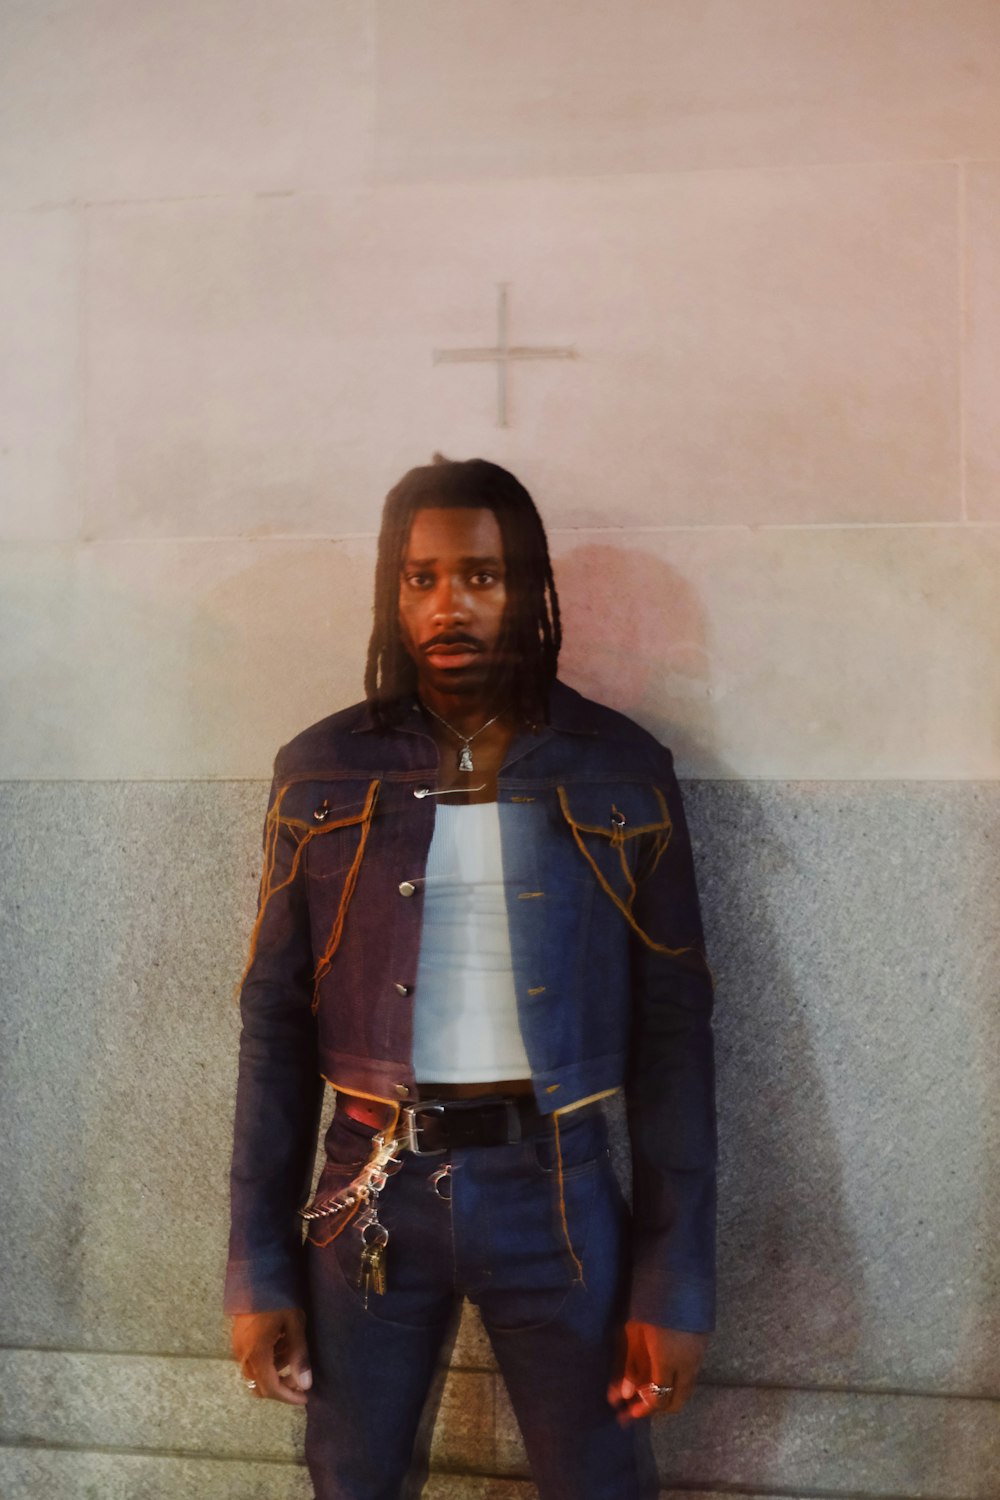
{"points": [[477, 919]]}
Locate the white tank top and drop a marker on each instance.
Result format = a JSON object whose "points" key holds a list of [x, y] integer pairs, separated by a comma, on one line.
{"points": [[465, 1026]]}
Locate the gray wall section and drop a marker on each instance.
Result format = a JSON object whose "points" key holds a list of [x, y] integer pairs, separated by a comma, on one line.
{"points": [[852, 930]]}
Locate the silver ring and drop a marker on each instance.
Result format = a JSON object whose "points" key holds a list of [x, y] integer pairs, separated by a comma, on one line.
{"points": [[657, 1390], [251, 1385]]}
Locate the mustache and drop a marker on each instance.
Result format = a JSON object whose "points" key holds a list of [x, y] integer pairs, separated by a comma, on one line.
{"points": [[454, 638]]}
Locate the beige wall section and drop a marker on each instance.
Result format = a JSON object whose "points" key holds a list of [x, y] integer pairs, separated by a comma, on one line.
{"points": [[751, 346], [866, 652], [981, 403], [778, 271], [41, 391], [108, 100], [580, 86]]}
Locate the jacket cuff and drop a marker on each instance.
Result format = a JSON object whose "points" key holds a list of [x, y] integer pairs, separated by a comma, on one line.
{"points": [[672, 1299], [262, 1285]]}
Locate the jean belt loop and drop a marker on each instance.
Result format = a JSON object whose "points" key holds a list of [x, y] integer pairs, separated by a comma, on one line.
{"points": [[514, 1132]]}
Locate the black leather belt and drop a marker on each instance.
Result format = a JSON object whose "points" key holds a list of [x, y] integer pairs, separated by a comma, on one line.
{"points": [[498, 1120]]}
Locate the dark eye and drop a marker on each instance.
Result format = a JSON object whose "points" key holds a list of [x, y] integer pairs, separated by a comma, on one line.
{"points": [[484, 577], [419, 580]]}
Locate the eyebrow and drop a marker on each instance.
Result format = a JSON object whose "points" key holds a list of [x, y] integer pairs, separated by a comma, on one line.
{"points": [[466, 562]]}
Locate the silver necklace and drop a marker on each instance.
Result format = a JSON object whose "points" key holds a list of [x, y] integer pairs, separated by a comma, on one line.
{"points": [[465, 754]]}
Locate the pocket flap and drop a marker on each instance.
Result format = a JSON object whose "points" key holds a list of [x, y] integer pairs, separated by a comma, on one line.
{"points": [[615, 810], [316, 805]]}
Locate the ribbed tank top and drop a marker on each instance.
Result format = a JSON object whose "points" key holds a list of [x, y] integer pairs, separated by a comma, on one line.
{"points": [[465, 1025]]}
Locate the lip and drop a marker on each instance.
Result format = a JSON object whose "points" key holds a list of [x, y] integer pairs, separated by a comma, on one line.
{"points": [[451, 656]]}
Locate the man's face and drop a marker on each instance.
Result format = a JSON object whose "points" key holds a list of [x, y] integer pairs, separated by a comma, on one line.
{"points": [[452, 596]]}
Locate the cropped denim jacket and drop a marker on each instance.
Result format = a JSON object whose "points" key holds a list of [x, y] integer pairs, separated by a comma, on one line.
{"points": [[613, 987]]}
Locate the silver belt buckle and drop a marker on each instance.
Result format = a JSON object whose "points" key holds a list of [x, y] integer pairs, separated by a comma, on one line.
{"points": [[410, 1128]]}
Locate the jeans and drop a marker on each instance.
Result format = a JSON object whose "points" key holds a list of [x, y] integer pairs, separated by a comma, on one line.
{"points": [[492, 1230]]}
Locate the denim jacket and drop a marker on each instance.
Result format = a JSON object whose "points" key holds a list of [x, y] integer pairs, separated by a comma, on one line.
{"points": [[613, 987]]}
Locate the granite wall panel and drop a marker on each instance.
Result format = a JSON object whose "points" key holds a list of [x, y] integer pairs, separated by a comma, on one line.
{"points": [[851, 929], [139, 1420]]}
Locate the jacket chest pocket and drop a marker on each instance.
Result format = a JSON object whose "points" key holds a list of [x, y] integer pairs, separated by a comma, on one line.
{"points": [[337, 816], [336, 819], [620, 831]]}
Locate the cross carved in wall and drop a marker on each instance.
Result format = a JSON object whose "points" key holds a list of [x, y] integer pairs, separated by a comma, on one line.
{"points": [[503, 352]]}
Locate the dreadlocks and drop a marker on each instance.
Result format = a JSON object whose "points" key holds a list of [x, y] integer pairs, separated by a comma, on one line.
{"points": [[528, 648]]}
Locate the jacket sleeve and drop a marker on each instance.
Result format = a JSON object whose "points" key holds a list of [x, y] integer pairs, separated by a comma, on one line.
{"points": [[670, 1091], [278, 1091]]}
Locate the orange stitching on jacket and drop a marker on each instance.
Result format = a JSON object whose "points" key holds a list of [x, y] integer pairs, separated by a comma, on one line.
{"points": [[273, 823], [662, 838], [621, 832], [388, 1131], [337, 929], [265, 892], [565, 1109], [603, 883]]}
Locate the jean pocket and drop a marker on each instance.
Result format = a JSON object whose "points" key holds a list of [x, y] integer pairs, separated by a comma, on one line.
{"points": [[348, 1142], [583, 1145], [348, 1149], [327, 1220], [539, 1233]]}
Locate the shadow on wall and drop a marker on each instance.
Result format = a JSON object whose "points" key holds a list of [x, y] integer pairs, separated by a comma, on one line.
{"points": [[791, 1284]]}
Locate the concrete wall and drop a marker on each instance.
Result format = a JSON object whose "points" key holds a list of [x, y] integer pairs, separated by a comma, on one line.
{"points": [[232, 238]]}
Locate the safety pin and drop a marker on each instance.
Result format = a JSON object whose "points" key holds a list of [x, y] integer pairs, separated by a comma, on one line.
{"points": [[447, 791]]}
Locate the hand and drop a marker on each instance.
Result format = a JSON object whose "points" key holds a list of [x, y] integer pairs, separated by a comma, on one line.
{"points": [[664, 1356], [270, 1348]]}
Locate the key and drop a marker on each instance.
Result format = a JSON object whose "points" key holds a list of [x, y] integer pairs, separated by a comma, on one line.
{"points": [[371, 1269], [371, 1273]]}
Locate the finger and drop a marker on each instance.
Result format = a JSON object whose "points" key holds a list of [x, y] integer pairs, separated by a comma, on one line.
{"points": [[617, 1368], [265, 1362], [295, 1380], [273, 1388], [299, 1368], [646, 1404], [624, 1394], [683, 1381], [671, 1400], [637, 1368]]}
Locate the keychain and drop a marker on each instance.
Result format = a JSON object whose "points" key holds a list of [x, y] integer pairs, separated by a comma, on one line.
{"points": [[364, 1190], [371, 1269]]}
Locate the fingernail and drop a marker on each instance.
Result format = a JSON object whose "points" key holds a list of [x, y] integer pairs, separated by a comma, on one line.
{"points": [[628, 1390], [306, 1379]]}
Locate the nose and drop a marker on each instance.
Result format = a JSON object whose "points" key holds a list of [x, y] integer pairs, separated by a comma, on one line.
{"points": [[451, 604]]}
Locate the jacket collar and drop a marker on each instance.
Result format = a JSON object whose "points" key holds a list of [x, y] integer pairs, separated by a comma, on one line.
{"points": [[569, 713]]}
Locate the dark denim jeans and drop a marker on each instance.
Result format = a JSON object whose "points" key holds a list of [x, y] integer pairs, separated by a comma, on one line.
{"points": [[500, 1240]]}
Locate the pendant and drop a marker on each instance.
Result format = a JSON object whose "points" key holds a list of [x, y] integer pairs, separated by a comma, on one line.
{"points": [[465, 759]]}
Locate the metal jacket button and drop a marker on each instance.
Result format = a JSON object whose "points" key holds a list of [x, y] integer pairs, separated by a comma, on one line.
{"points": [[407, 888], [322, 812], [402, 989]]}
